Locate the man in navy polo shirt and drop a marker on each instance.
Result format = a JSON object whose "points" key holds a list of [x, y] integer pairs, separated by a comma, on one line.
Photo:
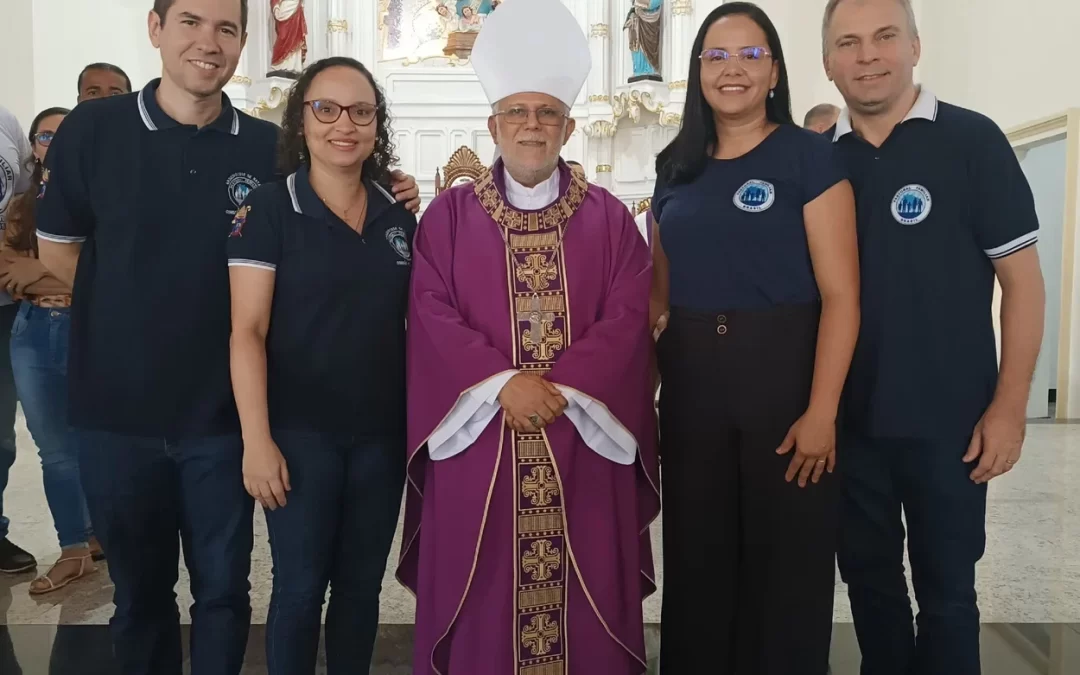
{"points": [[943, 208], [138, 195]]}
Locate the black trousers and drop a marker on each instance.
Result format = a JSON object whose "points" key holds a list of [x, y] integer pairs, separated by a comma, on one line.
{"points": [[946, 535], [749, 571]]}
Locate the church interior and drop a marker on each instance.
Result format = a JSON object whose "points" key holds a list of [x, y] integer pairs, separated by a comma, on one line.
{"points": [[1008, 62]]}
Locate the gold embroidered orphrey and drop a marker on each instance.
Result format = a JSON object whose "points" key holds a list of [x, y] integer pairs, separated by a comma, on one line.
{"points": [[540, 321]]}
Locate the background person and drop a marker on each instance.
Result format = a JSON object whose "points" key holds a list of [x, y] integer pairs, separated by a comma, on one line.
{"points": [[99, 80], [15, 155], [821, 118], [39, 356]]}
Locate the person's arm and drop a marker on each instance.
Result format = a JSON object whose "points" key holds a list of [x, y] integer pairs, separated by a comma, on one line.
{"points": [[834, 253], [1007, 228], [659, 298], [60, 259], [252, 290], [829, 220], [1023, 304], [254, 249]]}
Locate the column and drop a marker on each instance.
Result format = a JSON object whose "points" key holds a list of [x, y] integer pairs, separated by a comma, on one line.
{"points": [[369, 17], [339, 28], [680, 34], [599, 130]]}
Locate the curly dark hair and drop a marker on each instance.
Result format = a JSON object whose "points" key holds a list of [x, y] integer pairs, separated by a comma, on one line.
{"points": [[292, 148]]}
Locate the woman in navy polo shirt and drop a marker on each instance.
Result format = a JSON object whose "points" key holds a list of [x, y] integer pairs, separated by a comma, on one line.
{"points": [[319, 266], [756, 257]]}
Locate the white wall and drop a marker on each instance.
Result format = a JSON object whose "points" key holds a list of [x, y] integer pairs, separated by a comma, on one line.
{"points": [[69, 34], [17, 75], [1015, 63]]}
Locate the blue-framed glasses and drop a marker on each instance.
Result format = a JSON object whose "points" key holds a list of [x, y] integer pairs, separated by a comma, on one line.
{"points": [[749, 57]]}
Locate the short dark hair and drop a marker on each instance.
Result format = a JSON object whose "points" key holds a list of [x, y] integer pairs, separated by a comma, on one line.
{"points": [[107, 67], [819, 111], [685, 158], [292, 148], [162, 7]]}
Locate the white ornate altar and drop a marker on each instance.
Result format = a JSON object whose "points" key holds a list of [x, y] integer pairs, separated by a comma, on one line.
{"points": [[437, 104]]}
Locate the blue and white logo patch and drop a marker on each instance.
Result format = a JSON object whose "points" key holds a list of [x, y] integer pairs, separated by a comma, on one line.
{"points": [[240, 186], [911, 205], [755, 196], [398, 242]]}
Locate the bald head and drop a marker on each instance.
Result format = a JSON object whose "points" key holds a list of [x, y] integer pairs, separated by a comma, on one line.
{"points": [[821, 118]]}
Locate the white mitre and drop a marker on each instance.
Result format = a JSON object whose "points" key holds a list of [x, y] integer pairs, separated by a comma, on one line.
{"points": [[534, 46]]}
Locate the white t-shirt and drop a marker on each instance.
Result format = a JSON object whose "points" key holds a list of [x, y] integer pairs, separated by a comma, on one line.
{"points": [[15, 151]]}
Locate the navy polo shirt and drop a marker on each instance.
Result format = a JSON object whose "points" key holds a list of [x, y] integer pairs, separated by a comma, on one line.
{"points": [[335, 350], [735, 236], [151, 201], [937, 203]]}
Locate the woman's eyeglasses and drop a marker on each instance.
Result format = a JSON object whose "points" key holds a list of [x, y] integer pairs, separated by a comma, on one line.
{"points": [[749, 57], [328, 112], [549, 117], [44, 137]]}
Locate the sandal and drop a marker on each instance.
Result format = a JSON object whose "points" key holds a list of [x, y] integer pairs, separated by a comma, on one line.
{"points": [[42, 589]]}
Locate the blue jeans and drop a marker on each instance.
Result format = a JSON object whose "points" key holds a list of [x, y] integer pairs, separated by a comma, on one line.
{"points": [[336, 529], [946, 535], [146, 497], [39, 355], [8, 402]]}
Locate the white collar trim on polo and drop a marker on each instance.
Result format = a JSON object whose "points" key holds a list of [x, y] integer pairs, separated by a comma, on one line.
{"points": [[925, 108], [149, 122]]}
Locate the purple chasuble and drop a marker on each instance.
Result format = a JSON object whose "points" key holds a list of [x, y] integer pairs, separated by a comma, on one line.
{"points": [[529, 553]]}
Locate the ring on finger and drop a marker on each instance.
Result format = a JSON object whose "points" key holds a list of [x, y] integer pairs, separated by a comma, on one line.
{"points": [[535, 420]]}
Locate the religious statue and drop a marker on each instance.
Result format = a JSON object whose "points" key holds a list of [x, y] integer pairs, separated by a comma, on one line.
{"points": [[290, 46], [464, 19], [644, 27]]}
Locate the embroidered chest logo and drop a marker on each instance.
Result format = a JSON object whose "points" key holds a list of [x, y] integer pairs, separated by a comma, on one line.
{"points": [[238, 222], [44, 184], [911, 205], [240, 186], [396, 237], [755, 196]]}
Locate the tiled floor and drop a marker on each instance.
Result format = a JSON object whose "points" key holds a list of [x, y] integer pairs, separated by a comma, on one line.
{"points": [[1030, 574]]}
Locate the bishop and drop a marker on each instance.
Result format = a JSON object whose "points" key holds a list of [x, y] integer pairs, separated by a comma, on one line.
{"points": [[533, 468]]}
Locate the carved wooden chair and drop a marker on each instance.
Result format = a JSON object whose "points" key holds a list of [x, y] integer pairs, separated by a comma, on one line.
{"points": [[464, 164]]}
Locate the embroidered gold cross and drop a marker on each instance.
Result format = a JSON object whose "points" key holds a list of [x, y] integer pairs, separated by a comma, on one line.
{"points": [[542, 338], [541, 560], [537, 271], [540, 634], [539, 486]]}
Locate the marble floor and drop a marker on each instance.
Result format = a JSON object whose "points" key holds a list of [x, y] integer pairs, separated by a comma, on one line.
{"points": [[1029, 580]]}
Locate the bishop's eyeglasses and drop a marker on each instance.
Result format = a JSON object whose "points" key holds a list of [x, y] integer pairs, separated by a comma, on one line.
{"points": [[748, 57], [549, 117], [328, 112]]}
